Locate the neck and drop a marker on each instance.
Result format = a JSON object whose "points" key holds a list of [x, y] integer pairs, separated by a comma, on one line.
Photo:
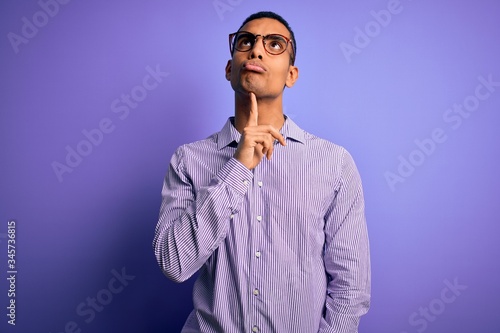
{"points": [[270, 111]]}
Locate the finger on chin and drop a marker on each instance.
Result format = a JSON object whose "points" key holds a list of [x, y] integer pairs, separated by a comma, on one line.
{"points": [[253, 118]]}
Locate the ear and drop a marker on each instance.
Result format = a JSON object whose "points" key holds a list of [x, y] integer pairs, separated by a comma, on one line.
{"points": [[293, 75], [228, 70]]}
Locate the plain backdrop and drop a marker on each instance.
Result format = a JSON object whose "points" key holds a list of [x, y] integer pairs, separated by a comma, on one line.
{"points": [[410, 88]]}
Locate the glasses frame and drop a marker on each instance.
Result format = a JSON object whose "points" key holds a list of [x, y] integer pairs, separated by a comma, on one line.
{"points": [[232, 45]]}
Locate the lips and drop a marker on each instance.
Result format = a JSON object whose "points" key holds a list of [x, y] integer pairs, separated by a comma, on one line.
{"points": [[254, 67]]}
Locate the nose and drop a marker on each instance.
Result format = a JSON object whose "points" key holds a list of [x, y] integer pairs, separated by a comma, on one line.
{"points": [[257, 50]]}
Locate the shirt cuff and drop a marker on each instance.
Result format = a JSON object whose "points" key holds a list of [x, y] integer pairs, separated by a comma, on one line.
{"points": [[236, 175]]}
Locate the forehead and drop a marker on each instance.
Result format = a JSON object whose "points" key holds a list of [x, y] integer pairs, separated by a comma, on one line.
{"points": [[265, 26]]}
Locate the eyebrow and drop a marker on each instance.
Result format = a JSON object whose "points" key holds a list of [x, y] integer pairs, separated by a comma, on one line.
{"points": [[278, 36], [272, 33]]}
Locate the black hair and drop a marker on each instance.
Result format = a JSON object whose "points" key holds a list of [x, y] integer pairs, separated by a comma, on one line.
{"points": [[280, 19]]}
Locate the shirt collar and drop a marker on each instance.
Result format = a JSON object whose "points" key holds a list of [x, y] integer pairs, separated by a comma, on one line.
{"points": [[290, 130], [229, 134]]}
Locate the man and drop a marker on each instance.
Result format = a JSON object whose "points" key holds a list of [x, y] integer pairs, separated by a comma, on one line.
{"points": [[271, 216]]}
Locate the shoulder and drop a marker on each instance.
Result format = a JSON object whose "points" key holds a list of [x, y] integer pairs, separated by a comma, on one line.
{"points": [[324, 147], [333, 158], [195, 149]]}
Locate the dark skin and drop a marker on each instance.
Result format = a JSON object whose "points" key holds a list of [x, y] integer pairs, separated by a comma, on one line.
{"points": [[257, 79]]}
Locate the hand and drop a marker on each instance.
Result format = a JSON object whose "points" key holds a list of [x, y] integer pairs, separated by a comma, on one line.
{"points": [[256, 140]]}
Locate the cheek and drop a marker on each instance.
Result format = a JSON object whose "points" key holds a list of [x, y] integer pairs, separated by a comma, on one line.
{"points": [[234, 79], [280, 75]]}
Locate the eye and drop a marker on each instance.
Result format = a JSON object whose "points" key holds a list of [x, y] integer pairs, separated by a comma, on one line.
{"points": [[276, 43], [244, 41]]}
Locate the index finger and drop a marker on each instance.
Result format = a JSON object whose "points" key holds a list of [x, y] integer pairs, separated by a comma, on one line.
{"points": [[277, 135], [254, 111]]}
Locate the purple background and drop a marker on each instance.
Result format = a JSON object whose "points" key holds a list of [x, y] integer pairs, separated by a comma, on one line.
{"points": [[438, 226]]}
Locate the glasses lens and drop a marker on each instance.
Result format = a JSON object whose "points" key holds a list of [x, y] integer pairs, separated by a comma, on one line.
{"points": [[276, 44], [243, 41]]}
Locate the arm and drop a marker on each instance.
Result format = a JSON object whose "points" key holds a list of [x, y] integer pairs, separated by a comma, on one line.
{"points": [[193, 222], [346, 255]]}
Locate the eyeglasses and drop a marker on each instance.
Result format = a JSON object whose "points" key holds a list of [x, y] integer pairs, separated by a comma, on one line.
{"points": [[244, 41]]}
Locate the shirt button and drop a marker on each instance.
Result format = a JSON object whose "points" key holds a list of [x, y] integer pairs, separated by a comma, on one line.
{"points": [[232, 216], [255, 329], [259, 218], [257, 254], [245, 182], [260, 184], [256, 292]]}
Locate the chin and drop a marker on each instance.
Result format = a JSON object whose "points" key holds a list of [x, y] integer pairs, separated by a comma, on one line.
{"points": [[246, 87]]}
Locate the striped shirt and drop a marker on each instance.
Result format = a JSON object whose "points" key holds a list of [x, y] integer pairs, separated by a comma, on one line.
{"points": [[280, 248]]}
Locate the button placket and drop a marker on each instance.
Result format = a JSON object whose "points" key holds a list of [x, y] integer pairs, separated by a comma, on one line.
{"points": [[257, 236]]}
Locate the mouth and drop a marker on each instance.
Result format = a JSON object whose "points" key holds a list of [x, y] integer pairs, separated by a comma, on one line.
{"points": [[254, 67]]}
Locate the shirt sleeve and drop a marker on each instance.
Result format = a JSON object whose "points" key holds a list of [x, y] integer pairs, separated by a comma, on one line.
{"points": [[346, 255], [194, 221]]}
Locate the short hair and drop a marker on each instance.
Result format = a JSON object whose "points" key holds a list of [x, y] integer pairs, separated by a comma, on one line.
{"points": [[274, 16]]}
